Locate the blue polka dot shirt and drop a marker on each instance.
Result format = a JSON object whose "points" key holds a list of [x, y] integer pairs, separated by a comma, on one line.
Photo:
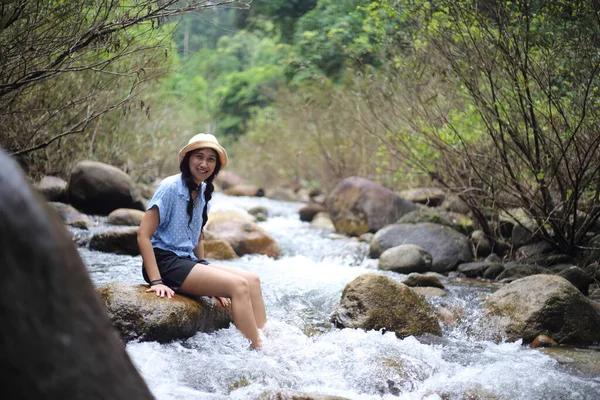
{"points": [[174, 233]]}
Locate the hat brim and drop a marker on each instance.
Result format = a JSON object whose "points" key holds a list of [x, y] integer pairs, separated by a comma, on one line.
{"points": [[202, 145]]}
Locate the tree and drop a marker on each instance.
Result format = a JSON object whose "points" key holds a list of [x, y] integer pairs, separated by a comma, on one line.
{"points": [[65, 64], [516, 124]]}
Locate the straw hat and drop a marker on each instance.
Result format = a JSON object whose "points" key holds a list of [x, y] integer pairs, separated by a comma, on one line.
{"points": [[204, 140]]}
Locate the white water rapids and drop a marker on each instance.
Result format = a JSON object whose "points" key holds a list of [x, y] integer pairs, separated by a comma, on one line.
{"points": [[303, 353]]}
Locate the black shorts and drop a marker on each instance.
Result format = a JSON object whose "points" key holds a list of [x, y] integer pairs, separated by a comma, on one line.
{"points": [[173, 268]]}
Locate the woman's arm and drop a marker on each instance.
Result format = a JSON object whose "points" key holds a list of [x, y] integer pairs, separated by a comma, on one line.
{"points": [[146, 230], [199, 249]]}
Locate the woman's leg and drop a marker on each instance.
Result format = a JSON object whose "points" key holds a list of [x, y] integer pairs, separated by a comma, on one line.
{"points": [[206, 281], [258, 304]]}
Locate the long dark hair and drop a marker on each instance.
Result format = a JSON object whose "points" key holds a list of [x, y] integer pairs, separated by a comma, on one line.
{"points": [[186, 176]]}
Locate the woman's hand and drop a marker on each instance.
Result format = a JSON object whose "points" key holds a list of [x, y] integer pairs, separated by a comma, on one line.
{"points": [[223, 300], [161, 290]]}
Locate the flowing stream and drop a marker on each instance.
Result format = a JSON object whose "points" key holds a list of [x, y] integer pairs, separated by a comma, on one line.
{"points": [[303, 353]]}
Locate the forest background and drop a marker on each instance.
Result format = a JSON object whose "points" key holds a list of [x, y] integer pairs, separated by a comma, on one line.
{"points": [[495, 101]]}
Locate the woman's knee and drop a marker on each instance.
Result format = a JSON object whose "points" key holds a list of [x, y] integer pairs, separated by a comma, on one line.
{"points": [[241, 286], [253, 280]]}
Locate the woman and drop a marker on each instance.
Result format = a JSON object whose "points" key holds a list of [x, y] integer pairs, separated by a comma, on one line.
{"points": [[170, 239]]}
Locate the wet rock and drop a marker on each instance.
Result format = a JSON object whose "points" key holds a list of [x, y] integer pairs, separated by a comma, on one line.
{"points": [[118, 240], [71, 216], [358, 205], [543, 304], [543, 341], [375, 302], [141, 315], [293, 395]]}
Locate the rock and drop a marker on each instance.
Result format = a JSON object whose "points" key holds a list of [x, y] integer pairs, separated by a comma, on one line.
{"points": [[473, 269], [219, 249], [543, 304], [125, 216], [423, 280], [322, 221], [459, 222], [430, 291], [244, 236], [71, 216], [244, 190], [308, 212], [260, 213], [226, 179], [358, 205], [141, 315], [375, 302], [429, 196], [482, 245], [517, 271], [404, 259], [119, 240], [447, 247], [97, 188], [493, 271], [578, 277], [543, 341], [281, 194], [57, 340], [53, 188]]}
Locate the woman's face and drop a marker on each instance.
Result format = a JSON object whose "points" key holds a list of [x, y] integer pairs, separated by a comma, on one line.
{"points": [[202, 164]]}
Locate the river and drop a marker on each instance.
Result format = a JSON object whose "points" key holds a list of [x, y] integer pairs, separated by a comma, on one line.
{"points": [[303, 353]]}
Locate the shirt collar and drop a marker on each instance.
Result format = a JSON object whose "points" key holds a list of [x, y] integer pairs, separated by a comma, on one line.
{"points": [[183, 191]]}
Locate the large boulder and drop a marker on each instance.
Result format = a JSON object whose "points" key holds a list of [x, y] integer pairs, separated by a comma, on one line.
{"points": [[242, 233], [374, 302], [98, 188], [543, 305], [144, 316], [358, 205], [448, 248], [56, 339]]}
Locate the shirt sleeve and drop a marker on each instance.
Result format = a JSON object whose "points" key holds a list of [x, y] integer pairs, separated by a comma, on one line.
{"points": [[163, 200]]}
